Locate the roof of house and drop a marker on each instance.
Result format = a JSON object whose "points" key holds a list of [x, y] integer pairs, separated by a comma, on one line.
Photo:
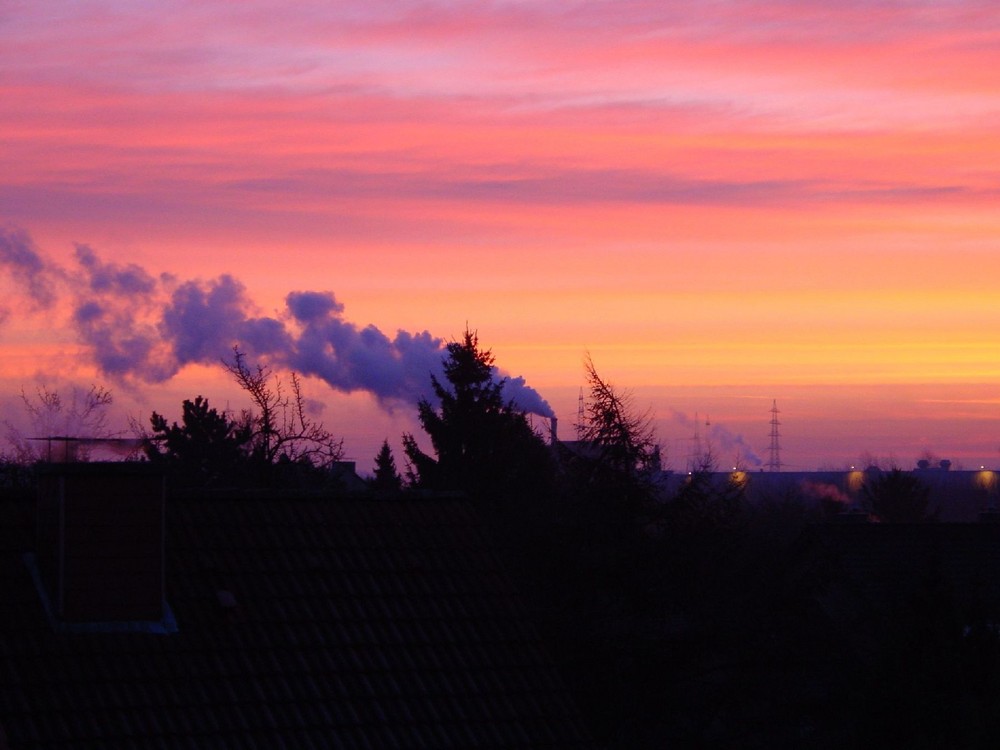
{"points": [[301, 623]]}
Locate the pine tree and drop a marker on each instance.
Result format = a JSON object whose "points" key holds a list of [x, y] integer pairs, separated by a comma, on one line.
{"points": [[623, 458], [206, 447], [483, 445], [386, 479], [623, 436]]}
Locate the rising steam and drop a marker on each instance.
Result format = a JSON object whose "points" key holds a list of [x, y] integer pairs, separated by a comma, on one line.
{"points": [[719, 435], [146, 328]]}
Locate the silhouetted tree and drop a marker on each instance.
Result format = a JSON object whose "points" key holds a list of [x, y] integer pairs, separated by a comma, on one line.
{"points": [[897, 497], [205, 448], [705, 503], [386, 479], [621, 456], [281, 430], [421, 469], [483, 444]]}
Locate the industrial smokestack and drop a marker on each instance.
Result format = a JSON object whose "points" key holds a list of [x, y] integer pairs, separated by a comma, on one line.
{"points": [[553, 430]]}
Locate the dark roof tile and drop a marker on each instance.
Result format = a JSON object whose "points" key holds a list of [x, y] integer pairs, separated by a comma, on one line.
{"points": [[356, 625]]}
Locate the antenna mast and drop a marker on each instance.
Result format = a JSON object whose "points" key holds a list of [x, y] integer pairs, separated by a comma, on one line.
{"points": [[581, 416], [774, 464]]}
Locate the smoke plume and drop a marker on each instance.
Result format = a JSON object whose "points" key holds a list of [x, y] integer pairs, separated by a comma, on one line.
{"points": [[26, 267], [822, 491], [142, 328], [721, 437]]}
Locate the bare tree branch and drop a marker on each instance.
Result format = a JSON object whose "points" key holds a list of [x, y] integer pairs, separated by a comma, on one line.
{"points": [[281, 426]]}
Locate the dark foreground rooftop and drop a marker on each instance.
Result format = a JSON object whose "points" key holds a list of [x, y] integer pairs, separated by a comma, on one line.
{"points": [[300, 623]]}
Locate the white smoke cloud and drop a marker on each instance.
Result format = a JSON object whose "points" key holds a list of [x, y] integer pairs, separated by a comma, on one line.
{"points": [[721, 437], [141, 328]]}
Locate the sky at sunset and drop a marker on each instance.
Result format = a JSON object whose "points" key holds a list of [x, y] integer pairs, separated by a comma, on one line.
{"points": [[723, 203]]}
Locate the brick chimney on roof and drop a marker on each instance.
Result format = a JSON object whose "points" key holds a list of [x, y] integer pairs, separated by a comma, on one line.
{"points": [[100, 541]]}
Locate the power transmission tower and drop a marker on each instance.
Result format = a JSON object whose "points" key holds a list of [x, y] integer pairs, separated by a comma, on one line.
{"points": [[706, 460], [581, 416], [695, 459], [774, 464]]}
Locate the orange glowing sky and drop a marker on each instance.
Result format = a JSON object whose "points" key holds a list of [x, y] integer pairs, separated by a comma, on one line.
{"points": [[723, 203]]}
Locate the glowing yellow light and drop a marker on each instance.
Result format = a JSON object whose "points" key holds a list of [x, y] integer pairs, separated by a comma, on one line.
{"points": [[855, 479], [985, 480]]}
